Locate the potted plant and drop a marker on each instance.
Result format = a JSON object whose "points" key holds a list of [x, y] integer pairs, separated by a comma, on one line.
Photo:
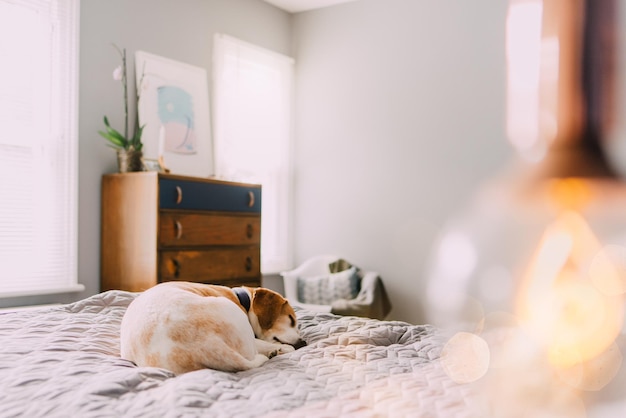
{"points": [[129, 148]]}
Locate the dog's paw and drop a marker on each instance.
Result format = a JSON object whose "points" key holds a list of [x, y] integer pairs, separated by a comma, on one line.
{"points": [[258, 361], [286, 348], [274, 353]]}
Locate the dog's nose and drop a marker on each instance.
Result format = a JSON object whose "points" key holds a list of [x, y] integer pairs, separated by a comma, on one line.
{"points": [[299, 344]]}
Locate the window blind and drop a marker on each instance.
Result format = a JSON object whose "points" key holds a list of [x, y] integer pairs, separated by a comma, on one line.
{"points": [[38, 146], [252, 108]]}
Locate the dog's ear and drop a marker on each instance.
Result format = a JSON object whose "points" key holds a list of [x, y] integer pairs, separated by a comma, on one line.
{"points": [[267, 306]]}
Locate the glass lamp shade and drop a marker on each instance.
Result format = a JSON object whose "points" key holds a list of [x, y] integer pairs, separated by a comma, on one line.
{"points": [[560, 67], [535, 264], [483, 255]]}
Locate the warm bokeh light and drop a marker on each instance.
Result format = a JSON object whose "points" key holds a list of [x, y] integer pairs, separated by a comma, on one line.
{"points": [[570, 193], [501, 333], [608, 270], [465, 357], [595, 374], [559, 304]]}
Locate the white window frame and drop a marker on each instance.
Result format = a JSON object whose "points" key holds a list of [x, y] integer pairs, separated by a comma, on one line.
{"points": [[39, 147], [253, 135]]}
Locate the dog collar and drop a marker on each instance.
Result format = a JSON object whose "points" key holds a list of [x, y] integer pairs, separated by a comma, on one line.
{"points": [[243, 297]]}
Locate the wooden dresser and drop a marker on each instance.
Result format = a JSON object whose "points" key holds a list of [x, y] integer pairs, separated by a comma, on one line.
{"points": [[162, 227]]}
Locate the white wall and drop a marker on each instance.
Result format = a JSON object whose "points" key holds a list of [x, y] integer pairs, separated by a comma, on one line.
{"points": [[399, 118]]}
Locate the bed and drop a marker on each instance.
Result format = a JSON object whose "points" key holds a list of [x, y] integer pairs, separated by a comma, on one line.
{"points": [[64, 361]]}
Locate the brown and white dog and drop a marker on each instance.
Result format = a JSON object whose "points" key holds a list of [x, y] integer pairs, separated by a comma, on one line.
{"points": [[182, 326]]}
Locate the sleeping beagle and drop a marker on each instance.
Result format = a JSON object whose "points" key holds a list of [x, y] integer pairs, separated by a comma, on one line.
{"points": [[182, 326]]}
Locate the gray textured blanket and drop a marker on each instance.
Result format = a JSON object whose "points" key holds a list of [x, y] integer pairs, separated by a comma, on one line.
{"points": [[63, 361]]}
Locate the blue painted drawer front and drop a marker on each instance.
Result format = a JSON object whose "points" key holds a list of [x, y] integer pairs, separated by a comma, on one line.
{"points": [[208, 196]]}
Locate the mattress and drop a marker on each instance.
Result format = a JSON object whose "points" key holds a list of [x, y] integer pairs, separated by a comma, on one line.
{"points": [[64, 361]]}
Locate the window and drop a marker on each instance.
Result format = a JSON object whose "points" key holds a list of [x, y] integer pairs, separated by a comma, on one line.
{"points": [[38, 146], [252, 135]]}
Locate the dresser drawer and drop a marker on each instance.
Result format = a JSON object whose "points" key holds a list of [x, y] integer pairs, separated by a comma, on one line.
{"points": [[180, 229], [211, 265], [193, 195]]}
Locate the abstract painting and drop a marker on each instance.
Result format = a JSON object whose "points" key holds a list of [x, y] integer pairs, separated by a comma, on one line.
{"points": [[176, 116], [174, 107]]}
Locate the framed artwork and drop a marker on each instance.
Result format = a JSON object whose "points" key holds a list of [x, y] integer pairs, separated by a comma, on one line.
{"points": [[174, 107]]}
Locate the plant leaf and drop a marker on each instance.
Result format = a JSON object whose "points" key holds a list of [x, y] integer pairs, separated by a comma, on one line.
{"points": [[113, 139], [115, 133], [136, 141], [123, 142]]}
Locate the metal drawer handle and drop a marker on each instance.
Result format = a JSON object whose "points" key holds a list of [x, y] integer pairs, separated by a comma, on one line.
{"points": [[249, 231], [179, 229], [250, 199], [179, 195], [248, 263], [176, 264]]}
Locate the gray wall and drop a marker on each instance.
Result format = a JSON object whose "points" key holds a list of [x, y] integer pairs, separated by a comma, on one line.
{"points": [[399, 118], [181, 30]]}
